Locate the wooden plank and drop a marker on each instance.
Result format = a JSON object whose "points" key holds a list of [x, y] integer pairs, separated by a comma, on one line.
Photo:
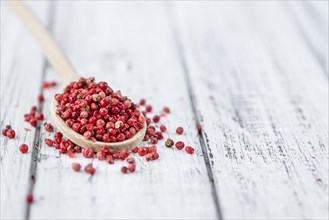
{"points": [[311, 18], [263, 101], [130, 46], [20, 85]]}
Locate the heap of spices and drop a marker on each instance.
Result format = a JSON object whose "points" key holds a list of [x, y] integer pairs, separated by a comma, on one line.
{"points": [[97, 112]]}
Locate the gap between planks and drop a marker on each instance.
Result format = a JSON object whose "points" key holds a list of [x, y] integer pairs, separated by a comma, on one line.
{"points": [[203, 143]]}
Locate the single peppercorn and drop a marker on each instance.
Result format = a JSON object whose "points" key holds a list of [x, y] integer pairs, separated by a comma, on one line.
{"points": [[4, 131], [189, 149], [41, 98], [131, 167], [49, 142], [142, 102], [124, 169], [76, 166], [134, 150], [148, 108], [152, 149], [180, 145], [29, 198], [130, 160], [88, 152], [163, 128], [10, 133], [169, 142], [179, 130], [23, 148], [156, 118], [90, 169], [166, 109], [142, 151], [48, 127]]}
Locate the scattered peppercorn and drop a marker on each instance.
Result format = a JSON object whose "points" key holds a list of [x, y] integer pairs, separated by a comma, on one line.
{"points": [[142, 151], [76, 166], [124, 169], [180, 145], [23, 148], [163, 128], [41, 98], [90, 169], [131, 167], [179, 130], [169, 142], [166, 109], [148, 108], [156, 118], [48, 127], [189, 149], [29, 198], [10, 133]]}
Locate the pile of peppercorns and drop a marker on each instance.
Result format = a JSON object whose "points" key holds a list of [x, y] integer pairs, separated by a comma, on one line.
{"points": [[97, 112]]}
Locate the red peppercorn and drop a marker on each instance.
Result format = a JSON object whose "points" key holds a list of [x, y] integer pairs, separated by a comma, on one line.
{"points": [[155, 156], [163, 128], [148, 157], [166, 109], [90, 169], [180, 145], [49, 142], [152, 149], [124, 169], [134, 150], [58, 135], [189, 149], [40, 116], [4, 131], [10, 133], [88, 152], [156, 118], [41, 98], [179, 130], [76, 166], [48, 127], [130, 160], [23, 148], [33, 122], [100, 155], [29, 198], [142, 102], [158, 135], [154, 140], [109, 159], [142, 151], [132, 167], [148, 108]]}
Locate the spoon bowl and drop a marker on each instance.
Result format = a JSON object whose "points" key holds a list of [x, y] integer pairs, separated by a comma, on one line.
{"points": [[81, 141]]}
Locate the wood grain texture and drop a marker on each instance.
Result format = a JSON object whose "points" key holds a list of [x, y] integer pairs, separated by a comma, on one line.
{"points": [[263, 100], [131, 50], [18, 94], [253, 73]]}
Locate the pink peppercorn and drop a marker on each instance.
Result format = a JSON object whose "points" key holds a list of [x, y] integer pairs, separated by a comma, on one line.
{"points": [[148, 108], [100, 156], [166, 109], [163, 128], [142, 102], [180, 145], [131, 167], [156, 118], [40, 116], [90, 169], [130, 160], [189, 149], [148, 157], [49, 142], [179, 130], [154, 140], [134, 150], [48, 127], [4, 131], [76, 166], [23, 148], [41, 98], [33, 122], [124, 169], [10, 133], [142, 151], [109, 159], [152, 149], [88, 152], [29, 198], [155, 156]]}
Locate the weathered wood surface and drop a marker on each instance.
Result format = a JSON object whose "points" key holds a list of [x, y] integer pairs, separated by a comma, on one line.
{"points": [[254, 74]]}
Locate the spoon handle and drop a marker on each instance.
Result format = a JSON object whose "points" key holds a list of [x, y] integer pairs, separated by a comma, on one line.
{"points": [[49, 46]]}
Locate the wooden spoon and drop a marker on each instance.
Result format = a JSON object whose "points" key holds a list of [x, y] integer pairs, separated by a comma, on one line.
{"points": [[68, 74]]}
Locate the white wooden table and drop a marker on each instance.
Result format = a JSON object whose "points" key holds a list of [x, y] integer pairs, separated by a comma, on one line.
{"points": [[254, 73]]}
